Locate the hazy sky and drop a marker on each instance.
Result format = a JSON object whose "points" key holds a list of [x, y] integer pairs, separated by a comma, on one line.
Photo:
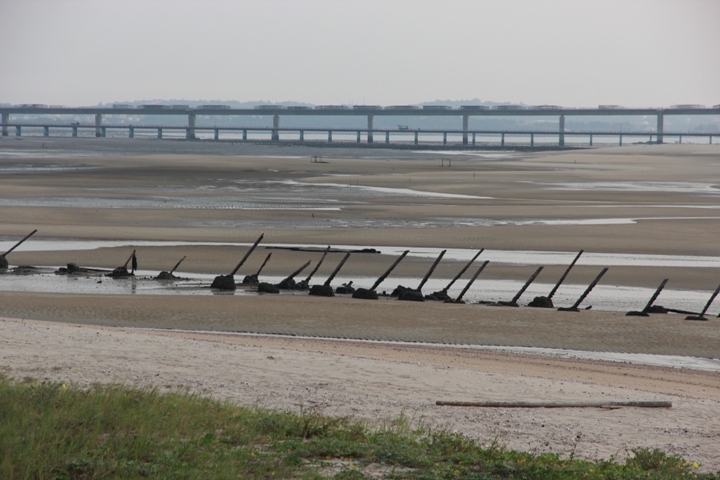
{"points": [[387, 52]]}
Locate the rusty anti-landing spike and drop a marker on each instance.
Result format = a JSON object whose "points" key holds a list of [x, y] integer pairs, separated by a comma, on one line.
{"points": [[307, 280], [587, 291], [3, 261], [20, 242], [129, 258], [263, 264], [227, 282], [527, 284], [337, 269], [513, 302], [177, 265], [463, 270], [169, 275], [707, 306], [247, 255], [295, 273], [472, 280], [389, 270], [370, 293], [644, 311], [432, 269], [562, 279]]}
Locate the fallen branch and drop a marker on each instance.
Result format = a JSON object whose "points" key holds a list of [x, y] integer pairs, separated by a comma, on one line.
{"points": [[642, 404]]}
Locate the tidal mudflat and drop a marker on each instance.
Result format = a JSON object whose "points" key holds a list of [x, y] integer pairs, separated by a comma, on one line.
{"points": [[208, 201]]}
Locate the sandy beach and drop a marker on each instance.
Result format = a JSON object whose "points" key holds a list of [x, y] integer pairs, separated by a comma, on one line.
{"points": [[635, 200]]}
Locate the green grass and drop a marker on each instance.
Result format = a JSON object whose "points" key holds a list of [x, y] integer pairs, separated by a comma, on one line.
{"points": [[48, 431]]}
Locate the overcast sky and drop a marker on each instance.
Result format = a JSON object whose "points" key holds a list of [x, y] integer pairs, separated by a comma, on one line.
{"points": [[387, 52]]}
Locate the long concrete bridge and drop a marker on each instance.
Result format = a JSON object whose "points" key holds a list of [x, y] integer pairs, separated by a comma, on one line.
{"points": [[370, 112]]}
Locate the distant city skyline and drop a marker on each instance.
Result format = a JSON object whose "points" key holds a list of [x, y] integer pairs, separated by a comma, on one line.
{"points": [[573, 53]]}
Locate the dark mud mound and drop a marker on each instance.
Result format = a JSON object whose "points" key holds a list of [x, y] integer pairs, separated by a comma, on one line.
{"points": [[541, 302], [120, 272], [412, 296], [224, 282], [365, 294], [440, 296], [321, 291], [264, 287], [345, 288], [166, 276]]}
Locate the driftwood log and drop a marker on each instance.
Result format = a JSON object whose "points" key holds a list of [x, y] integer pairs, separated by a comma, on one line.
{"points": [[641, 404]]}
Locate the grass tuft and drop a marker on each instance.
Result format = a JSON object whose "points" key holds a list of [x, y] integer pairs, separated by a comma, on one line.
{"points": [[50, 431]]}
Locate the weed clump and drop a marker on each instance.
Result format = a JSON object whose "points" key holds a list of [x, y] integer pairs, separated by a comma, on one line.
{"points": [[48, 430]]}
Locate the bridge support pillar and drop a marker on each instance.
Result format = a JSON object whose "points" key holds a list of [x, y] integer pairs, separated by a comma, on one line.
{"points": [[502, 139], [371, 120], [159, 132], [473, 140], [591, 139], [561, 134], [98, 125], [190, 131], [131, 132], [103, 132], [532, 140], [302, 135], [74, 131], [46, 131], [660, 127], [466, 121], [18, 131], [387, 137], [217, 134], [358, 136], [5, 121], [416, 138], [329, 136], [444, 138], [621, 139], [244, 135], [276, 125], [679, 139]]}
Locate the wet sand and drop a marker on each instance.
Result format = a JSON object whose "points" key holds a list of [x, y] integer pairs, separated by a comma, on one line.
{"points": [[121, 190], [384, 319]]}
